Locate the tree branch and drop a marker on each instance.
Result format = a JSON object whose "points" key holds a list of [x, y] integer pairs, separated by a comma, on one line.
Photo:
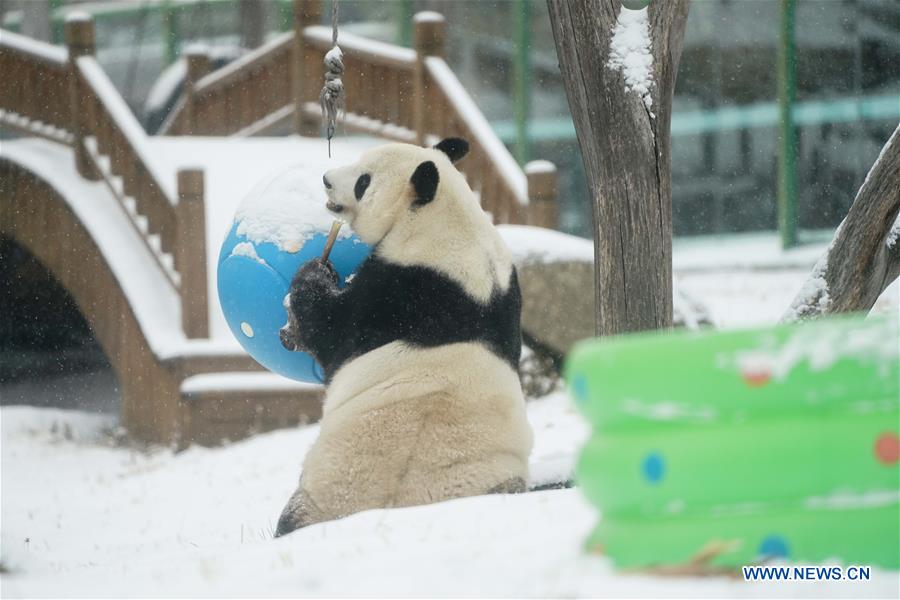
{"points": [[864, 256]]}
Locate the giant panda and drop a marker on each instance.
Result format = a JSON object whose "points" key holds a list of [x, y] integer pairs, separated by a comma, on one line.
{"points": [[420, 349]]}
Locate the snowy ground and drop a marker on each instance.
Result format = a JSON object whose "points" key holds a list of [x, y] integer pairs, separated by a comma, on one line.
{"points": [[83, 517]]}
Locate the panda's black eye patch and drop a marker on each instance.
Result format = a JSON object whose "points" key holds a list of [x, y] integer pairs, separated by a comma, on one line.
{"points": [[362, 184]]}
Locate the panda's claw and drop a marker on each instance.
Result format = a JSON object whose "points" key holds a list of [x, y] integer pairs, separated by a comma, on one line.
{"points": [[315, 271]]}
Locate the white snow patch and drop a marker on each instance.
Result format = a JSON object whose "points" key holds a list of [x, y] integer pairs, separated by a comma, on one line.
{"points": [[537, 244], [247, 249], [667, 411], [428, 16], [36, 48], [164, 87], [819, 348], [539, 167], [334, 54], [108, 521], [286, 209], [240, 381], [630, 53], [813, 296], [559, 433], [846, 499], [77, 17], [894, 234]]}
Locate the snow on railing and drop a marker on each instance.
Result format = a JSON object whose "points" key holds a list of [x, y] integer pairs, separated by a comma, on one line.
{"points": [[233, 71], [490, 152], [32, 70], [374, 51], [475, 122], [124, 120], [118, 150], [55, 55]]}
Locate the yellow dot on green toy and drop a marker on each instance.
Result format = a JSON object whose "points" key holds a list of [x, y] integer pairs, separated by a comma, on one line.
{"points": [[635, 4]]}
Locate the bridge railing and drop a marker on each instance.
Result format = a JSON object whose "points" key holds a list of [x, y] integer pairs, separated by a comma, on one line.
{"points": [[408, 95], [66, 96], [34, 87]]}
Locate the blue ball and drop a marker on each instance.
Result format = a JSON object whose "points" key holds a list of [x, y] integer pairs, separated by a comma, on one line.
{"points": [[253, 283]]}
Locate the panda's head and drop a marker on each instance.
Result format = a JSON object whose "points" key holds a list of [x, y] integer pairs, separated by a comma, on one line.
{"points": [[391, 182]]}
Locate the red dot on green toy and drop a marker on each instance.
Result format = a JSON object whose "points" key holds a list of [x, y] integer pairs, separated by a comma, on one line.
{"points": [[756, 377], [635, 4], [887, 448]]}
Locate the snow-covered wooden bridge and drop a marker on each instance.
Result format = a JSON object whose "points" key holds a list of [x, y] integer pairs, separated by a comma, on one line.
{"points": [[131, 224]]}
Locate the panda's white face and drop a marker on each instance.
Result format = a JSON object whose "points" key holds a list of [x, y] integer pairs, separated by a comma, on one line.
{"points": [[374, 193]]}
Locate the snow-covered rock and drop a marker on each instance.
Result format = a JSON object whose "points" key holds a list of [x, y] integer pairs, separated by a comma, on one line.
{"points": [[556, 274]]}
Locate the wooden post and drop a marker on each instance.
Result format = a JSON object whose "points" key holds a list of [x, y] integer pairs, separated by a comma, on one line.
{"points": [[428, 40], [198, 65], [541, 176], [190, 253], [306, 12], [80, 42]]}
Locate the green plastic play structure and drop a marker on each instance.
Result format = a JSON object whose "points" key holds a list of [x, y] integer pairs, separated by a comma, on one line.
{"points": [[777, 443]]}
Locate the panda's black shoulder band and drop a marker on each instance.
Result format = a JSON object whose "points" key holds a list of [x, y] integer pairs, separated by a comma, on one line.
{"points": [[455, 148], [425, 181]]}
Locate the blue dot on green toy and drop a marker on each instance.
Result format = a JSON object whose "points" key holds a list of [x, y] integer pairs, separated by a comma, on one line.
{"points": [[774, 546], [279, 226], [653, 467], [635, 4], [580, 388]]}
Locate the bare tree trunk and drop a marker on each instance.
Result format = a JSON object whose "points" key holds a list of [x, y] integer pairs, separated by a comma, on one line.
{"points": [[624, 139], [864, 256]]}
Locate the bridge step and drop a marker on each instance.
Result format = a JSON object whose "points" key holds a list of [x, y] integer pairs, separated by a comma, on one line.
{"points": [[37, 128], [223, 407]]}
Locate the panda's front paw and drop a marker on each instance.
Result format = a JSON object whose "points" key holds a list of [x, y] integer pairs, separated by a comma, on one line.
{"points": [[290, 337], [317, 271]]}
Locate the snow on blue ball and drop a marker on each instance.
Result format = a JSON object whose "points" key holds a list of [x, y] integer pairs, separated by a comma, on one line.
{"points": [[280, 225]]}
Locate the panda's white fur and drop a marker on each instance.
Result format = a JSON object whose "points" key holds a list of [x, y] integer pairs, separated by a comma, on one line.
{"points": [[455, 238], [405, 424]]}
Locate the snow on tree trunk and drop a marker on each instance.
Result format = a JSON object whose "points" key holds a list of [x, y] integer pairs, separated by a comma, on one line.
{"points": [[864, 256], [619, 68]]}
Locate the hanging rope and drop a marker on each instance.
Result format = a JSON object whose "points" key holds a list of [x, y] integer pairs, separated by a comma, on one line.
{"points": [[332, 96]]}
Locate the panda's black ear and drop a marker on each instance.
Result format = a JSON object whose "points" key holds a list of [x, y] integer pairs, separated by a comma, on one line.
{"points": [[425, 181], [454, 147]]}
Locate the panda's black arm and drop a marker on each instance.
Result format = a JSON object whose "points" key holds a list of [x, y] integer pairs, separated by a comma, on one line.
{"points": [[315, 304]]}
